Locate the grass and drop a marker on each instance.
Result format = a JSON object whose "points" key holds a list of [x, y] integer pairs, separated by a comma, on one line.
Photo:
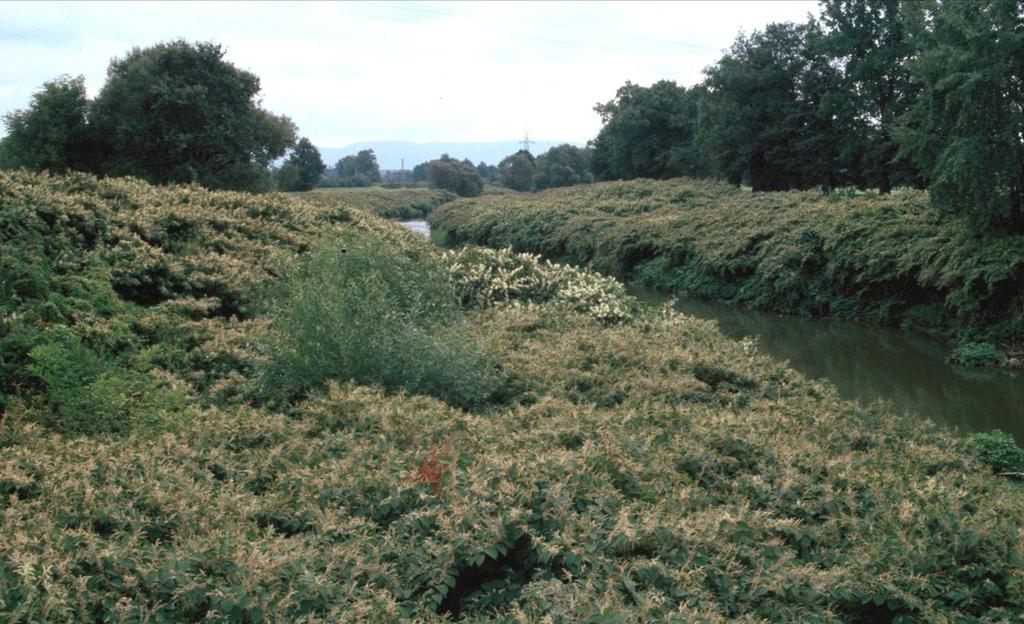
{"points": [[631, 466], [880, 259]]}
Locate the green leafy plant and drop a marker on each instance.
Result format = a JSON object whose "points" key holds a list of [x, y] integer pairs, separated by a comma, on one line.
{"points": [[998, 450], [356, 309], [976, 354]]}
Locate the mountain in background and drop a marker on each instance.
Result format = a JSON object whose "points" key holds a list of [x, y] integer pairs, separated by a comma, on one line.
{"points": [[390, 153]]}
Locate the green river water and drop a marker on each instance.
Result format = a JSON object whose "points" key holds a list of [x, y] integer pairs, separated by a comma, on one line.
{"points": [[868, 364]]}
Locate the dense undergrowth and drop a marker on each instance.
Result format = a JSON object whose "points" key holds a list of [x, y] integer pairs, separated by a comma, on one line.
{"points": [[403, 203], [627, 465], [884, 259]]}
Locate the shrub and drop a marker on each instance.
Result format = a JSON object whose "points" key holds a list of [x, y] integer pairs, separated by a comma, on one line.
{"points": [[976, 354], [356, 309], [88, 392], [998, 450]]}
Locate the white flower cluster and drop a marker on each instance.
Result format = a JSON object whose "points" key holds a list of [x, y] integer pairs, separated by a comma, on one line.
{"points": [[487, 277]]}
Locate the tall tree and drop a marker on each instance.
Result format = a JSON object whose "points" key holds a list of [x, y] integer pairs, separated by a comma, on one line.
{"points": [[516, 171], [966, 129], [178, 112], [308, 167], [52, 133], [562, 165], [360, 169], [460, 178], [764, 116], [648, 132], [867, 43]]}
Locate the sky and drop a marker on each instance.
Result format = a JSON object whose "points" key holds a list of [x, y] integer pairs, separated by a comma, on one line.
{"points": [[415, 71]]}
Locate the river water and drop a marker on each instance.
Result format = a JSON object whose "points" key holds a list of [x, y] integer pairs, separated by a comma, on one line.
{"points": [[868, 364]]}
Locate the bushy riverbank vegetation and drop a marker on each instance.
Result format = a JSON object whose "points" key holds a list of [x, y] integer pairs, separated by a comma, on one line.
{"points": [[389, 203], [884, 259], [623, 465]]}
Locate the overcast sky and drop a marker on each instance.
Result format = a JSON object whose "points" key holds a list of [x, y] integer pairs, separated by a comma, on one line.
{"points": [[418, 71]]}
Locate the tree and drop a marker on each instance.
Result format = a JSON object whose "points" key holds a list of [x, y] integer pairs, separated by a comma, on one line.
{"points": [[307, 165], [517, 170], [648, 132], [177, 112], [867, 42], [286, 177], [421, 172], [563, 165], [52, 134], [358, 170], [966, 128], [458, 177], [487, 172], [764, 117]]}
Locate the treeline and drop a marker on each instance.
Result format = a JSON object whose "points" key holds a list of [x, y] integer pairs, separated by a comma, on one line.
{"points": [[871, 94], [172, 113]]}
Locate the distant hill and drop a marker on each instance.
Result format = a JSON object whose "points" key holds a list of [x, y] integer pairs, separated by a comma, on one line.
{"points": [[390, 153]]}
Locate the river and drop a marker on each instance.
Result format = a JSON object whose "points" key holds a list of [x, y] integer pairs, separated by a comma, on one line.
{"points": [[868, 363]]}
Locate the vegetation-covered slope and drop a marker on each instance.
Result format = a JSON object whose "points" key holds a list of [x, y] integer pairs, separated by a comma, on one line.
{"points": [[404, 203], [885, 259], [625, 466]]}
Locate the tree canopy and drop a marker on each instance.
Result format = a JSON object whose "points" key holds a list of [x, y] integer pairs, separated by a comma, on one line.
{"points": [[178, 112], [172, 112], [360, 169], [966, 128], [452, 175], [303, 168], [648, 132], [562, 165], [516, 171], [52, 133]]}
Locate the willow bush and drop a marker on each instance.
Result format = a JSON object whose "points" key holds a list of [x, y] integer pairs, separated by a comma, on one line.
{"points": [[356, 309]]}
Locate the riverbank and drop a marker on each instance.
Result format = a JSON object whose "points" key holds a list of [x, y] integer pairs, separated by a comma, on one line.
{"points": [[876, 259], [387, 203], [252, 408]]}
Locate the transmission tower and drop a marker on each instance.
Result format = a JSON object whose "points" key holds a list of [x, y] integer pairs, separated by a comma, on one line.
{"points": [[526, 141]]}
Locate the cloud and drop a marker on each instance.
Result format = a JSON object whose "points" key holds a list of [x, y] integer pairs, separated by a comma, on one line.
{"points": [[433, 71]]}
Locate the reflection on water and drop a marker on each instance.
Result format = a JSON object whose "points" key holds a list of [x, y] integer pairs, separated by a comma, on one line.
{"points": [[870, 363], [417, 225]]}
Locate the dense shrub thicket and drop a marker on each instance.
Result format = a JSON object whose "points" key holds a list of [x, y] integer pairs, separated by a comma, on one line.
{"points": [[885, 259], [406, 203], [633, 468]]}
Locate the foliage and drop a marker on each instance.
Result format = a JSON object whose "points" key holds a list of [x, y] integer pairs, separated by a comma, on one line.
{"points": [[358, 170], [870, 257], [355, 310], [648, 132], [452, 175], [387, 203], [964, 130], [307, 166], [117, 297], [488, 173], [867, 40], [517, 171], [178, 112], [644, 470], [485, 277], [562, 165], [997, 449], [52, 133], [764, 117], [976, 354]]}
